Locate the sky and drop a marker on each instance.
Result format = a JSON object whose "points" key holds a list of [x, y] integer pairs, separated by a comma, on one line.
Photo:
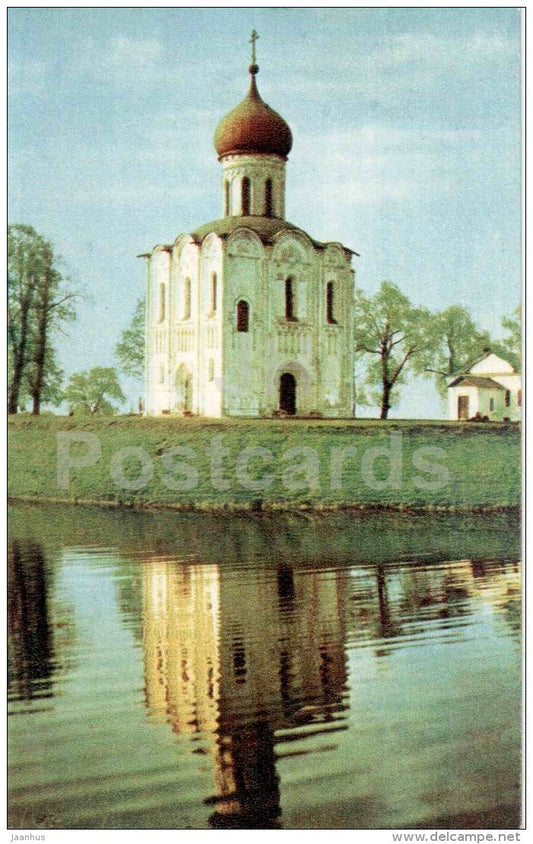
{"points": [[406, 128]]}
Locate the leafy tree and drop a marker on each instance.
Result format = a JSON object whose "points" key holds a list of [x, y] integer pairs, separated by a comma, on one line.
{"points": [[130, 349], [39, 302], [457, 344], [91, 392], [24, 264], [51, 390], [397, 335], [513, 341]]}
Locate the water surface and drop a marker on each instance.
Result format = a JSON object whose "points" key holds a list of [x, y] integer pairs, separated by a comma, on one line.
{"points": [[182, 671]]}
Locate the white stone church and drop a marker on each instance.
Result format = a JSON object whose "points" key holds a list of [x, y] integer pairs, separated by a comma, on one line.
{"points": [[249, 315]]}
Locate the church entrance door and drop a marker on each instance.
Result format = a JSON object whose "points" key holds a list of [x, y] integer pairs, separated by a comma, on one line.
{"points": [[287, 393], [183, 390]]}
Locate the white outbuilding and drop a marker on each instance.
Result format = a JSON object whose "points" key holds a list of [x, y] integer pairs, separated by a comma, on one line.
{"points": [[491, 388], [248, 315]]}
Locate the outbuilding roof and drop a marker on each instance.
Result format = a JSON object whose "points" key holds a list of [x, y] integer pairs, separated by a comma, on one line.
{"points": [[476, 381]]}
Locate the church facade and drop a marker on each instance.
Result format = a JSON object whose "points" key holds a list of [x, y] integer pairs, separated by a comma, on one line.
{"points": [[248, 315]]}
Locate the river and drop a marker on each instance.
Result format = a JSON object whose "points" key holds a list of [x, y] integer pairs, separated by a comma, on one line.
{"points": [[181, 671]]}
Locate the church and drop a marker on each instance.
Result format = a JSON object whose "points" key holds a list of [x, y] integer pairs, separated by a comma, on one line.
{"points": [[248, 315]]}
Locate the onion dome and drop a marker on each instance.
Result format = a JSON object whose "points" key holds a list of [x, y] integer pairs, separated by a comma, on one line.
{"points": [[253, 127]]}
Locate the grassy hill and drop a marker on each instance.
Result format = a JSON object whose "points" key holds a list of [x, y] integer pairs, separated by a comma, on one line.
{"points": [[264, 464]]}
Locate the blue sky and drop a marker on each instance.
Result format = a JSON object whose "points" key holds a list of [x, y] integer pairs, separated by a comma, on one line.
{"points": [[407, 145]]}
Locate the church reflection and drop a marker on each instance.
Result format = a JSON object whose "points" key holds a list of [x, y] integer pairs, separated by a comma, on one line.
{"points": [[250, 660], [227, 655]]}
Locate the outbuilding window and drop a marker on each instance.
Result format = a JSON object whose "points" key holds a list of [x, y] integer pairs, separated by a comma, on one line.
{"points": [[507, 398]]}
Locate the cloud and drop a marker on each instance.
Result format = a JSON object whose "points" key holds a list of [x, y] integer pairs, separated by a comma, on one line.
{"points": [[27, 77], [377, 164], [406, 63], [122, 60], [136, 64], [130, 53], [439, 51]]}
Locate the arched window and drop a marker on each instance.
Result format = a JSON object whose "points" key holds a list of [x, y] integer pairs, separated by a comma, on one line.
{"points": [[187, 298], [268, 198], [243, 316], [211, 370], [330, 303], [226, 198], [245, 197], [290, 314], [161, 303], [213, 293]]}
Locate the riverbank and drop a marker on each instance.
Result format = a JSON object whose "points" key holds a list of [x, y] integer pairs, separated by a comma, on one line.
{"points": [[264, 465]]}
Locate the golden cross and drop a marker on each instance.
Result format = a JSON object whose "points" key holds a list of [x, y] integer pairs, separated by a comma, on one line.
{"points": [[253, 38]]}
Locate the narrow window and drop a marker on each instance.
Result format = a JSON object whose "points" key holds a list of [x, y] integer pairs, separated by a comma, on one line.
{"points": [[187, 299], [491, 404], [213, 293], [211, 370], [243, 316], [246, 197], [330, 303], [161, 310], [268, 198], [226, 198], [161, 373], [507, 398], [289, 301], [519, 398]]}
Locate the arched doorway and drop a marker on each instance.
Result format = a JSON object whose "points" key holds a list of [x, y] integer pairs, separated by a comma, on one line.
{"points": [[287, 393]]}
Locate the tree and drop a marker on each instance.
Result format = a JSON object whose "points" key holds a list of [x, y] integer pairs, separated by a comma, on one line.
{"points": [[130, 349], [51, 387], [39, 301], [24, 264], [458, 342], [54, 306], [396, 334], [91, 392], [513, 341]]}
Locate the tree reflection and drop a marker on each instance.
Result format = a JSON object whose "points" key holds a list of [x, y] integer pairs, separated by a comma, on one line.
{"points": [[30, 649]]}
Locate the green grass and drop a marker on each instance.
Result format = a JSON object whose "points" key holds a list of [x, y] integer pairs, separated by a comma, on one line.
{"points": [[475, 467]]}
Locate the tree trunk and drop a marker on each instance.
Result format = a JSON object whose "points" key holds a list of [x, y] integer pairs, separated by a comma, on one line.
{"points": [[40, 351], [385, 395], [385, 401], [19, 358]]}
